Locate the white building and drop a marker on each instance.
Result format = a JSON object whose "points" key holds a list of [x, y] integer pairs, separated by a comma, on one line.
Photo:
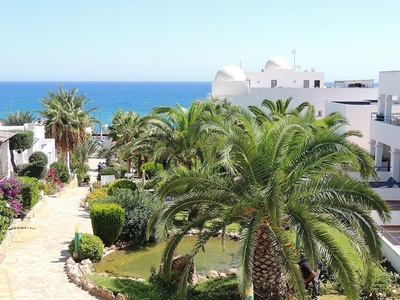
{"points": [[278, 81], [5, 163], [40, 143]]}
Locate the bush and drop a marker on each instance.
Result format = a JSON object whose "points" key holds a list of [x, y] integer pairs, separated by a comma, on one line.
{"points": [[108, 171], [6, 216], [53, 183], [61, 171], [138, 209], [9, 189], [122, 184], [151, 169], [29, 191], [90, 246], [38, 159], [107, 221], [96, 195]]}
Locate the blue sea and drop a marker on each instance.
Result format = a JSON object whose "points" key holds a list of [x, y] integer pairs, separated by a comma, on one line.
{"points": [[107, 96]]}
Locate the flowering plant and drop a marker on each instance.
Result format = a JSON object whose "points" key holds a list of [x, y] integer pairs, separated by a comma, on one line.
{"points": [[10, 192], [53, 183]]}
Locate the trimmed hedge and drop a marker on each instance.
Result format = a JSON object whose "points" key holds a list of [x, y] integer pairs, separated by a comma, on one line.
{"points": [[22, 140], [29, 190], [122, 184], [38, 159], [61, 171], [107, 221], [109, 171], [90, 246]]}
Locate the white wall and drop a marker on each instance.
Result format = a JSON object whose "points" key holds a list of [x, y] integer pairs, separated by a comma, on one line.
{"points": [[284, 77], [389, 83]]}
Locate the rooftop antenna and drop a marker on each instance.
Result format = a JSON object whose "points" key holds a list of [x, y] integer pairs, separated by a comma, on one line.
{"points": [[294, 59]]}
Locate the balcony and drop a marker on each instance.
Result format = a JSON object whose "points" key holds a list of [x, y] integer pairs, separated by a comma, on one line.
{"points": [[393, 119]]}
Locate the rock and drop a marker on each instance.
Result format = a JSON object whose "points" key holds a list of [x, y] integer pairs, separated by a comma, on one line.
{"points": [[212, 274], [201, 278], [120, 297], [232, 272], [179, 264], [222, 275], [86, 262]]}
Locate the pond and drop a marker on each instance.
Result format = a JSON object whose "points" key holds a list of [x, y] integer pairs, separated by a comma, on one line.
{"points": [[137, 262]]}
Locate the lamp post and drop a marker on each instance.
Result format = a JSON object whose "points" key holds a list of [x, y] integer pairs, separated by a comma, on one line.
{"points": [[9, 105]]}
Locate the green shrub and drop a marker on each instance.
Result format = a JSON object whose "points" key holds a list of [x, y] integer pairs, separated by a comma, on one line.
{"points": [[151, 169], [6, 216], [122, 184], [138, 209], [38, 159], [29, 190], [61, 171], [108, 171], [107, 221], [90, 246]]}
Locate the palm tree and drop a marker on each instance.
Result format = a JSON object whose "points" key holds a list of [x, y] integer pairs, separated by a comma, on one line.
{"points": [[175, 137], [17, 118], [125, 129], [277, 109], [66, 119], [276, 179], [80, 158]]}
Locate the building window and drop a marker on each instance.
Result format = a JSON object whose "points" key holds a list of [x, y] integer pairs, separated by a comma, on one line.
{"points": [[274, 83]]}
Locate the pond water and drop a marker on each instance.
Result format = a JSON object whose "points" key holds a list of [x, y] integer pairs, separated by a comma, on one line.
{"points": [[137, 262]]}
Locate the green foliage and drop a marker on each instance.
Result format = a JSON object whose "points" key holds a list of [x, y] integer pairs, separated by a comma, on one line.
{"points": [[151, 169], [61, 171], [29, 190], [39, 159], [22, 140], [107, 221], [138, 209], [90, 246], [36, 167], [213, 289], [6, 216], [17, 118], [109, 171], [122, 184]]}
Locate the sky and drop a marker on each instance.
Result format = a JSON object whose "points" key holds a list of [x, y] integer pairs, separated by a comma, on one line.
{"points": [[187, 40]]}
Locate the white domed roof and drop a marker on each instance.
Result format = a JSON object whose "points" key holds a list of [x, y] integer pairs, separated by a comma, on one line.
{"points": [[277, 62], [230, 73]]}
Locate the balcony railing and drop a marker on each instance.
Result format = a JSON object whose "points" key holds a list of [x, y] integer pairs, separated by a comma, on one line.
{"points": [[393, 119]]}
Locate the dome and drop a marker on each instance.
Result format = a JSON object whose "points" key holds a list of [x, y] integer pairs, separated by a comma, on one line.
{"points": [[230, 73], [277, 62]]}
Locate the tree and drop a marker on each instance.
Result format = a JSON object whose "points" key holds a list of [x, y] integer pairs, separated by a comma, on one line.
{"points": [[275, 179], [66, 119], [175, 136], [18, 118], [80, 158], [125, 129], [277, 109], [21, 141]]}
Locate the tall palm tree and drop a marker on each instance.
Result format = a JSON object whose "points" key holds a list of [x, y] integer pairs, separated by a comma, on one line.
{"points": [[278, 178], [80, 157], [17, 118], [125, 129], [66, 119]]}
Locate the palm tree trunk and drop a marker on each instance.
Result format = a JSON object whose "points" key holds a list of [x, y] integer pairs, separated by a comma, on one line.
{"points": [[13, 164], [128, 164], [268, 277]]}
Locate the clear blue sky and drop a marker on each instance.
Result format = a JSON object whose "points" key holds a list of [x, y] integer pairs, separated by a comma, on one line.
{"points": [[189, 40]]}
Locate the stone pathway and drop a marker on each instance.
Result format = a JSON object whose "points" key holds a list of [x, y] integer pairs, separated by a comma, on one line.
{"points": [[33, 264]]}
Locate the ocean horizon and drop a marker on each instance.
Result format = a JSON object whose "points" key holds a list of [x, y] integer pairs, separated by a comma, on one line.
{"points": [[107, 96]]}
